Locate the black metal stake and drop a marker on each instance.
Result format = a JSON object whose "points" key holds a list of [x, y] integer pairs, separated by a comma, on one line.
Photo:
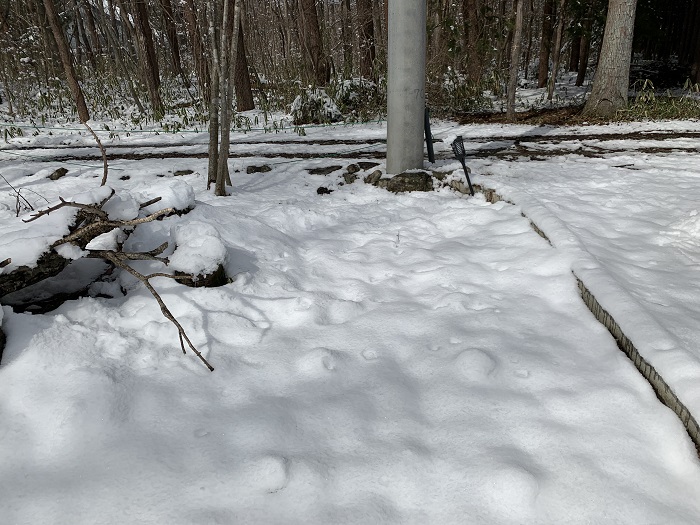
{"points": [[429, 137], [460, 155]]}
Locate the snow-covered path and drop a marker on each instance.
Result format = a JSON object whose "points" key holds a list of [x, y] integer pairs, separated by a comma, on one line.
{"points": [[420, 358], [637, 218]]}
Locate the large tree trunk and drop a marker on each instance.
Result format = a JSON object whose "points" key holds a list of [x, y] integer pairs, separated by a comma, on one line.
{"points": [[611, 82], [515, 60], [545, 43], [67, 61], [316, 63]]}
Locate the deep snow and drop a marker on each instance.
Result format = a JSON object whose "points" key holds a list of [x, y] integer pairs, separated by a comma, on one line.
{"points": [[421, 358]]}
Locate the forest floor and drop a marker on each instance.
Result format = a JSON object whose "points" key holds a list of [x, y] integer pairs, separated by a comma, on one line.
{"points": [[383, 358]]}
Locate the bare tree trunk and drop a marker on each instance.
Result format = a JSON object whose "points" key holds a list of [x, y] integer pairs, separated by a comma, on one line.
{"points": [[171, 34], [317, 65], [515, 60], [365, 24], [229, 52], [67, 61], [471, 11], [195, 39], [244, 93], [149, 57], [545, 43], [584, 51], [561, 15], [346, 32], [214, 89], [611, 82]]}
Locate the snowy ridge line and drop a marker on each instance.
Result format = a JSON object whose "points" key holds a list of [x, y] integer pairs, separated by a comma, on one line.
{"points": [[661, 388]]}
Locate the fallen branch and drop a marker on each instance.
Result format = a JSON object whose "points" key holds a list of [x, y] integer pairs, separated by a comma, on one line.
{"points": [[95, 209], [5, 263], [114, 258]]}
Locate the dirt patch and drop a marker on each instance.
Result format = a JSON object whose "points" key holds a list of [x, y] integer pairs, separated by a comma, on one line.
{"points": [[567, 116]]}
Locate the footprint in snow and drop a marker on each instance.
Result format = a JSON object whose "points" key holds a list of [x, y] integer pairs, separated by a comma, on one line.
{"points": [[318, 362], [269, 473], [475, 365]]}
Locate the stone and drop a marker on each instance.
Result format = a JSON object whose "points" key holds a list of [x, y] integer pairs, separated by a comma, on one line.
{"points": [[212, 280], [180, 173], [324, 191], [60, 172], [349, 178], [353, 168], [459, 186], [383, 183], [373, 177], [411, 181], [326, 170], [258, 169], [441, 175], [364, 166]]}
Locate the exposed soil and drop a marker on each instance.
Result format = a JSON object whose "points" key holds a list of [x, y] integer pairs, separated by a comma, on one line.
{"points": [[567, 116]]}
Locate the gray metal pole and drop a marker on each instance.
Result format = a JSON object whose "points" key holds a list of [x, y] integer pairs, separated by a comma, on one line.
{"points": [[406, 85]]}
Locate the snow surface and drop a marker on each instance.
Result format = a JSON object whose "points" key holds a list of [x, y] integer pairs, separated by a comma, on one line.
{"points": [[629, 222], [421, 358]]}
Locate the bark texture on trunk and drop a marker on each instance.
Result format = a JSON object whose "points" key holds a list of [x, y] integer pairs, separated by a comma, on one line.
{"points": [[66, 61], [545, 43], [515, 60], [318, 71], [365, 23], [611, 82]]}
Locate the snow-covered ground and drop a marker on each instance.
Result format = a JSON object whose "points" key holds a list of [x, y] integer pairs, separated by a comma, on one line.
{"points": [[380, 358]]}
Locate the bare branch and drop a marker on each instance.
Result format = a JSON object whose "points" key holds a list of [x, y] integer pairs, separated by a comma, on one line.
{"points": [[95, 209], [132, 256], [114, 259], [151, 217], [148, 203], [102, 150]]}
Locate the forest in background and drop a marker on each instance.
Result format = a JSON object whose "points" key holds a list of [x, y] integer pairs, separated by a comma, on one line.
{"points": [[139, 60]]}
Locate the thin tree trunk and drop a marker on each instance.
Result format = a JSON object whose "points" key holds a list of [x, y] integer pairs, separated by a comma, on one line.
{"points": [[584, 52], [67, 61], [149, 57], [214, 88], [229, 47], [365, 24], [471, 11], [515, 60], [556, 56], [545, 43]]}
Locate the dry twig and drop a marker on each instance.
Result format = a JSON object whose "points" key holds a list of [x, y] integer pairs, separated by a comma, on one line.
{"points": [[102, 150], [118, 261]]}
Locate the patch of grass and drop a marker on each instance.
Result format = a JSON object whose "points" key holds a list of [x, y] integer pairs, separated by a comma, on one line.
{"points": [[648, 104]]}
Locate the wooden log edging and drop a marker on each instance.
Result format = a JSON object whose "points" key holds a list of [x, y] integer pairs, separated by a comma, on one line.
{"points": [[663, 391]]}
